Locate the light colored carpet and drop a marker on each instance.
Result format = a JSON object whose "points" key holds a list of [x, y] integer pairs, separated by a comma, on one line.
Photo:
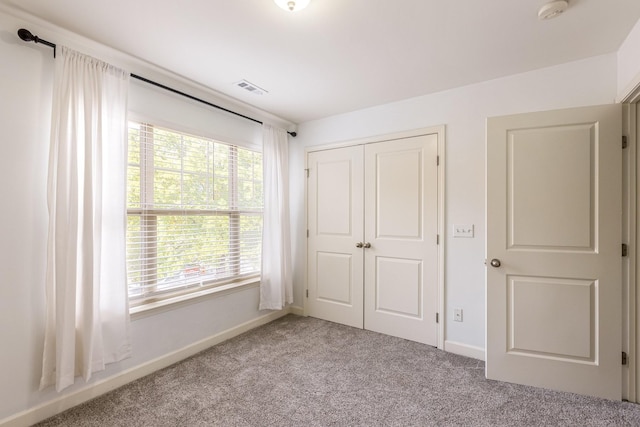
{"points": [[300, 371]]}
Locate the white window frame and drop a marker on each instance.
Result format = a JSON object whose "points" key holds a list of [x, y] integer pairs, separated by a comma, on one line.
{"points": [[196, 288]]}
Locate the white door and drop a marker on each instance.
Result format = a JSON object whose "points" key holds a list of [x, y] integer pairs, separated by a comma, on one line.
{"points": [[335, 224], [401, 227], [554, 250]]}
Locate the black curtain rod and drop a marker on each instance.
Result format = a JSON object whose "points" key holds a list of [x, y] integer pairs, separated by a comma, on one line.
{"points": [[28, 37]]}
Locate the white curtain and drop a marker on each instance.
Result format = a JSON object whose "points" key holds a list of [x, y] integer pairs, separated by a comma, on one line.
{"points": [[276, 286], [87, 315]]}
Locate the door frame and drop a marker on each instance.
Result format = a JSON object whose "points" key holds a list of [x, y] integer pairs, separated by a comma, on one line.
{"points": [[440, 131], [630, 100], [630, 301]]}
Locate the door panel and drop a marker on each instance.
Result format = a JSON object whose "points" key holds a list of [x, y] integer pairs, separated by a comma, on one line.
{"points": [[554, 223], [334, 204], [399, 286], [401, 272], [573, 307], [552, 210], [334, 275], [335, 221], [397, 196]]}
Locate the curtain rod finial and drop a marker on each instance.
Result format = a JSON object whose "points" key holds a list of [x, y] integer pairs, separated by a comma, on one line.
{"points": [[25, 35]]}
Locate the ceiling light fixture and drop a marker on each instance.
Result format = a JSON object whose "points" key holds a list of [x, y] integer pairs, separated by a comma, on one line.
{"points": [[552, 9], [292, 5]]}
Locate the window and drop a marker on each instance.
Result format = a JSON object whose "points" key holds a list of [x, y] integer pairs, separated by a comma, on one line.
{"points": [[194, 213]]}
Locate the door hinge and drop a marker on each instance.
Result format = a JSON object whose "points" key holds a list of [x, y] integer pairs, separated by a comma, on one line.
{"points": [[307, 293], [624, 141], [437, 239], [307, 171], [625, 250], [437, 317], [624, 358], [307, 234], [437, 160]]}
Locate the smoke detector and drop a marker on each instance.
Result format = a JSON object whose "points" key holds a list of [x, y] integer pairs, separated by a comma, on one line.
{"points": [[552, 9], [250, 87]]}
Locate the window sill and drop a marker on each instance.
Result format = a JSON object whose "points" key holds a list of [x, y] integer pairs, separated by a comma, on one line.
{"points": [[168, 304]]}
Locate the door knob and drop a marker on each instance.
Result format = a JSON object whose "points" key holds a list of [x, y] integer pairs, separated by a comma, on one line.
{"points": [[359, 245], [367, 245], [495, 263]]}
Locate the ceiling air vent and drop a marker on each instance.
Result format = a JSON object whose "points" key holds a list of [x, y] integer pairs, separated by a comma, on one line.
{"points": [[250, 87]]}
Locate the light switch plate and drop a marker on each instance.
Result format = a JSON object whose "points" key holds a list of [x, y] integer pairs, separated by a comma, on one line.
{"points": [[463, 230]]}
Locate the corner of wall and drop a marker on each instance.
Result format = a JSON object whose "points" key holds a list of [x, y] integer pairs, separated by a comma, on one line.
{"points": [[628, 64]]}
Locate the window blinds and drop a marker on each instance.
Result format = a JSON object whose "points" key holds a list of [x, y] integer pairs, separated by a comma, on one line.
{"points": [[194, 212]]}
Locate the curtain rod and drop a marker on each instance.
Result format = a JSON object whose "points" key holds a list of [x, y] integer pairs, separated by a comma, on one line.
{"points": [[28, 37]]}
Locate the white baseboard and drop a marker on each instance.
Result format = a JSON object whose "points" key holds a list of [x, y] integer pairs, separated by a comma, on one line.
{"points": [[294, 309], [464, 350], [51, 408]]}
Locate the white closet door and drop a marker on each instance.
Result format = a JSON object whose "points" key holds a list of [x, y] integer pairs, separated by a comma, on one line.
{"points": [[554, 250], [401, 266], [335, 221]]}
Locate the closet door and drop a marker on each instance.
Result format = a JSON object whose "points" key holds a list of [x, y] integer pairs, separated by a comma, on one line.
{"points": [[401, 226], [335, 225]]}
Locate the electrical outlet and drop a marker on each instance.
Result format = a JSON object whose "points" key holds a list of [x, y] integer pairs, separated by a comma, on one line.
{"points": [[463, 230], [457, 315]]}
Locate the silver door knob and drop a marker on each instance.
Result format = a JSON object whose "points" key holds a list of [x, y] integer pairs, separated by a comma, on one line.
{"points": [[359, 245], [495, 263], [367, 245]]}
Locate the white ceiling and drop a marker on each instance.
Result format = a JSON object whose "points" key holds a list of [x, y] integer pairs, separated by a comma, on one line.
{"points": [[342, 55]]}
